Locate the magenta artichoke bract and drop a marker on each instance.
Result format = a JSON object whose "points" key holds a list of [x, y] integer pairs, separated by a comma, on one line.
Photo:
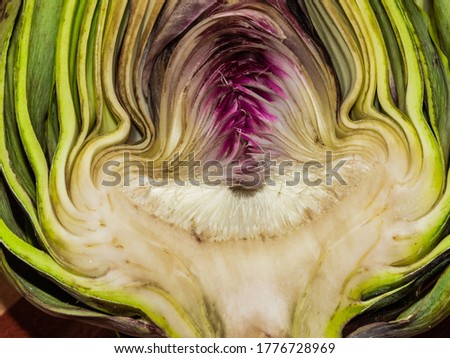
{"points": [[228, 168]]}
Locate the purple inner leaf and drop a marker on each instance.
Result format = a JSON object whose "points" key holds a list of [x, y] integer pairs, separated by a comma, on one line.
{"points": [[243, 78], [241, 71]]}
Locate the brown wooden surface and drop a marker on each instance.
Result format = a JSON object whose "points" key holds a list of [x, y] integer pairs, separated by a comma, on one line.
{"points": [[8, 296], [25, 321]]}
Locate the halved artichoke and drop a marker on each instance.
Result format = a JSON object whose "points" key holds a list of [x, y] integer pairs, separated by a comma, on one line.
{"points": [[151, 152]]}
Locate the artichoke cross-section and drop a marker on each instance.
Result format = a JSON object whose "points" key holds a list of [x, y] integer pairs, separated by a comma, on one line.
{"points": [[191, 168]]}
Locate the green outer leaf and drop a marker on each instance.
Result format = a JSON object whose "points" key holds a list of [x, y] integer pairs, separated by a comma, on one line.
{"points": [[435, 75], [12, 159], [6, 213], [395, 56], [51, 304], [430, 310], [429, 145], [399, 276], [12, 155], [93, 291], [52, 128], [30, 142], [40, 76], [442, 19], [427, 312]]}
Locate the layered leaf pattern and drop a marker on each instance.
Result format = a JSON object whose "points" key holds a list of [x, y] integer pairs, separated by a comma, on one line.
{"points": [[117, 116]]}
